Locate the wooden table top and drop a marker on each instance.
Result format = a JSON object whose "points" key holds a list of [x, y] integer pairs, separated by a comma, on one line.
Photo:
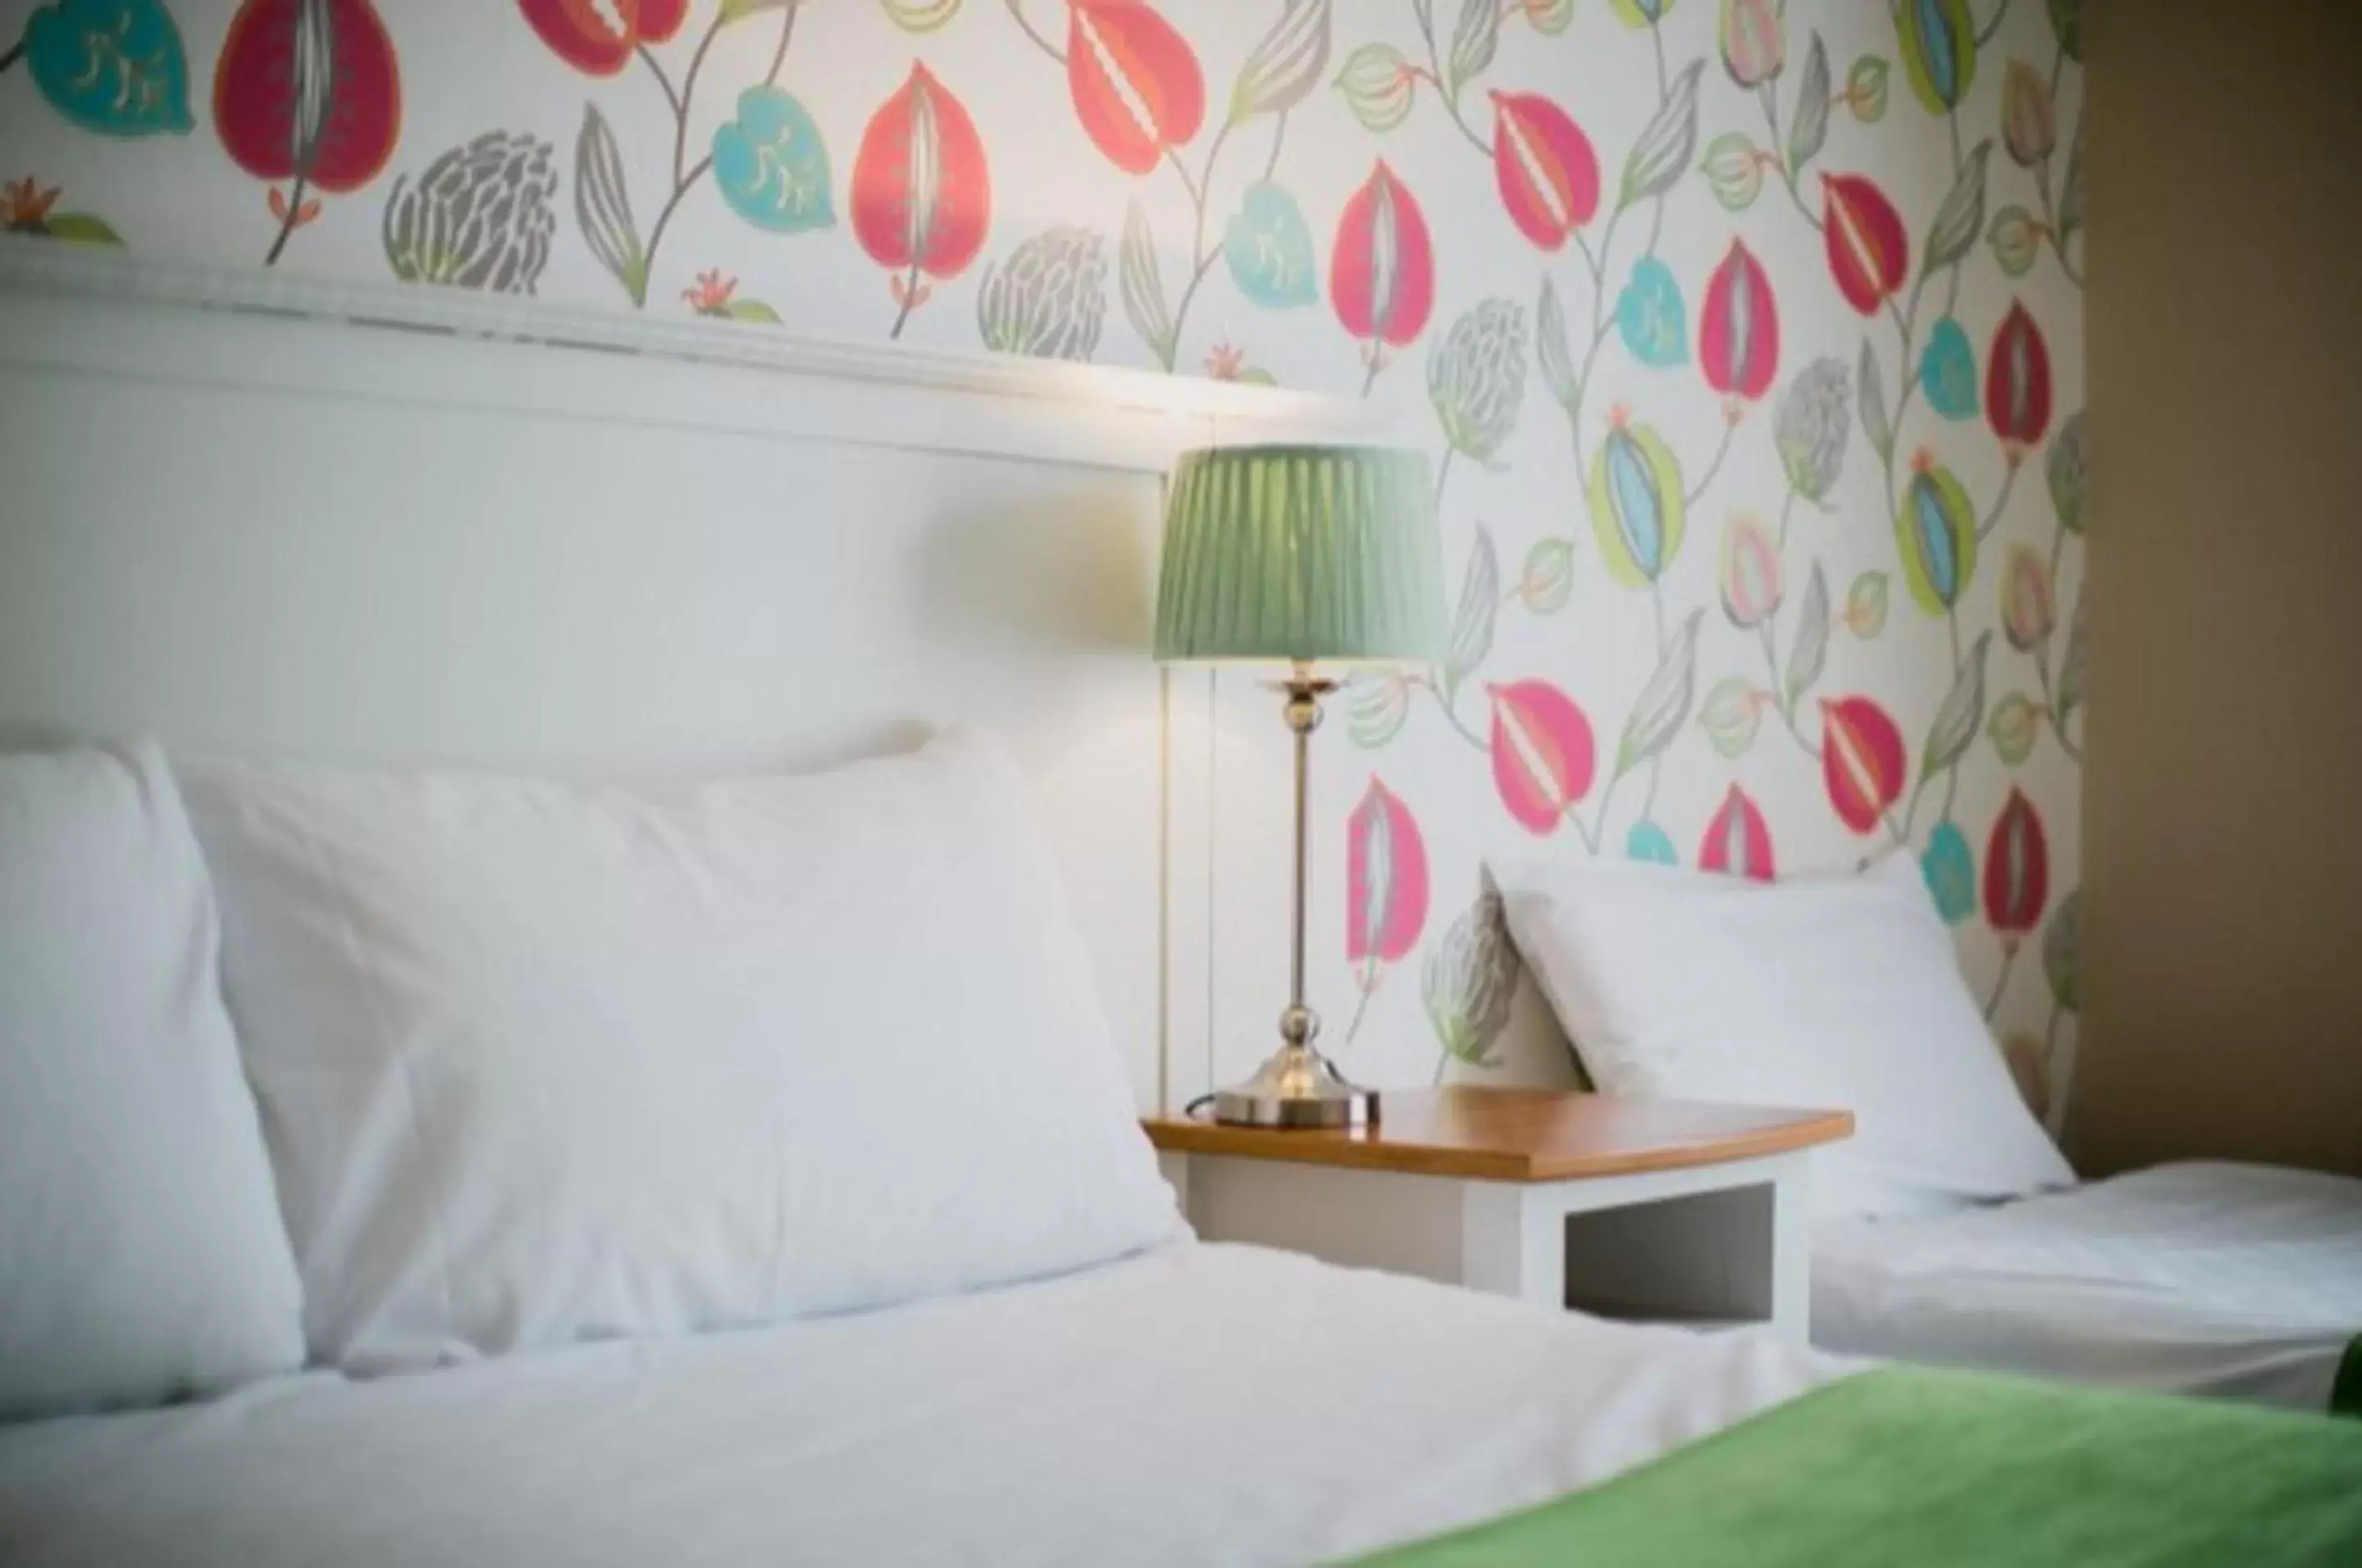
{"points": [[1513, 1134]]}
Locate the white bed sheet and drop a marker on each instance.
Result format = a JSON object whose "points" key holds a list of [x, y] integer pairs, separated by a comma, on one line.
{"points": [[1199, 1405], [2235, 1280]]}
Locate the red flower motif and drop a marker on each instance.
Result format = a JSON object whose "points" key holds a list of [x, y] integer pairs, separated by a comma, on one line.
{"points": [[1136, 81], [1381, 273], [1862, 761], [1543, 755], [308, 90], [1385, 880], [922, 193], [1548, 173], [1868, 254], [1737, 840], [601, 36], [25, 204], [2018, 870], [2017, 384], [1739, 345], [711, 294]]}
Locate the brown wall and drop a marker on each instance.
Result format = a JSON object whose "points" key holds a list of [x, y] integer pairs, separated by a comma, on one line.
{"points": [[2224, 792]]}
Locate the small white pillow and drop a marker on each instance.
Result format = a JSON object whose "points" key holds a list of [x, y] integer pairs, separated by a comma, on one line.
{"points": [[541, 1063], [142, 1254], [1839, 992]]}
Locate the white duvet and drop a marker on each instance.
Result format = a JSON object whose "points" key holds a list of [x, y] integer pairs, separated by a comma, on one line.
{"points": [[2243, 1281], [1200, 1404]]}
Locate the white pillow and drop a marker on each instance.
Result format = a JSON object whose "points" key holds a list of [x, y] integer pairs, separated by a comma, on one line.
{"points": [[542, 1062], [142, 1254], [1839, 992]]}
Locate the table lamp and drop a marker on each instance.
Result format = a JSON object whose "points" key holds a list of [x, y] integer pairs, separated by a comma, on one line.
{"points": [[1314, 559]]}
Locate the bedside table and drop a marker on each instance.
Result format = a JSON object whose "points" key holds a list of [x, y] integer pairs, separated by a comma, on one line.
{"points": [[1660, 1210]]}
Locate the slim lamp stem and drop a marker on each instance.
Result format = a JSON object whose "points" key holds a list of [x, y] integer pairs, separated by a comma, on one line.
{"points": [[1300, 693]]}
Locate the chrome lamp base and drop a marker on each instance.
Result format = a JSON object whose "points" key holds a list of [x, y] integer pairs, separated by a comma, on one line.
{"points": [[1299, 1087]]}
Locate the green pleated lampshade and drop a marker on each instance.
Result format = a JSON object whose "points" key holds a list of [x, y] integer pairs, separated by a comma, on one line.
{"points": [[1312, 554]]}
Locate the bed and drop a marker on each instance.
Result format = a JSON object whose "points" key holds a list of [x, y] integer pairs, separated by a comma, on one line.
{"points": [[2235, 1280], [1950, 1231]]}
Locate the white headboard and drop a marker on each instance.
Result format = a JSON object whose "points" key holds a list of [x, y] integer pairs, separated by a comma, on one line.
{"points": [[372, 524]]}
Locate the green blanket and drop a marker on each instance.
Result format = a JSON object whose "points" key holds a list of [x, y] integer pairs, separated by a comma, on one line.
{"points": [[1931, 1469]]}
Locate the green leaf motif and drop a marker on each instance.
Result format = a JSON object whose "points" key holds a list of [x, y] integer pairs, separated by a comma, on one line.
{"points": [[1551, 347], [2062, 951], [2016, 240], [771, 165], [81, 228], [1377, 81], [1938, 40], [2071, 190], [1874, 416], [1962, 216], [1548, 580], [1948, 371], [1377, 701], [1640, 13], [1865, 612], [115, 66], [1963, 710], [1734, 170], [2064, 472], [1473, 623], [1865, 89], [1142, 286], [603, 205], [753, 310], [1287, 65], [1810, 129], [1269, 249], [2074, 670], [1731, 714], [1810, 655], [1474, 43], [1547, 17], [2015, 725], [1668, 145], [1652, 318], [2067, 22], [1663, 706]]}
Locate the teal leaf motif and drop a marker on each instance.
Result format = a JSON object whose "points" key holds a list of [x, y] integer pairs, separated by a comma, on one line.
{"points": [[1951, 872], [1269, 249], [1648, 842], [115, 66], [772, 166], [1948, 371], [1650, 318]]}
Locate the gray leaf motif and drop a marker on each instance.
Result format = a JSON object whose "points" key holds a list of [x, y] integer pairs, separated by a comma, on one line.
{"points": [[478, 218], [1963, 714], [1550, 346], [2062, 951], [1142, 286], [1809, 427], [1664, 704], [1471, 624], [1962, 216], [1048, 298], [1873, 403], [1810, 129], [2071, 190], [1474, 43], [603, 208], [1476, 376], [1469, 980], [1811, 654], [1287, 63], [1669, 146], [2074, 670]]}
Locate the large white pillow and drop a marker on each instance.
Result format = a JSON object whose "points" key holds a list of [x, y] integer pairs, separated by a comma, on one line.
{"points": [[1839, 992], [142, 1254], [541, 1063]]}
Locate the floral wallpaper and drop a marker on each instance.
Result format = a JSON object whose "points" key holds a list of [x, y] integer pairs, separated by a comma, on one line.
{"points": [[1745, 333]]}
